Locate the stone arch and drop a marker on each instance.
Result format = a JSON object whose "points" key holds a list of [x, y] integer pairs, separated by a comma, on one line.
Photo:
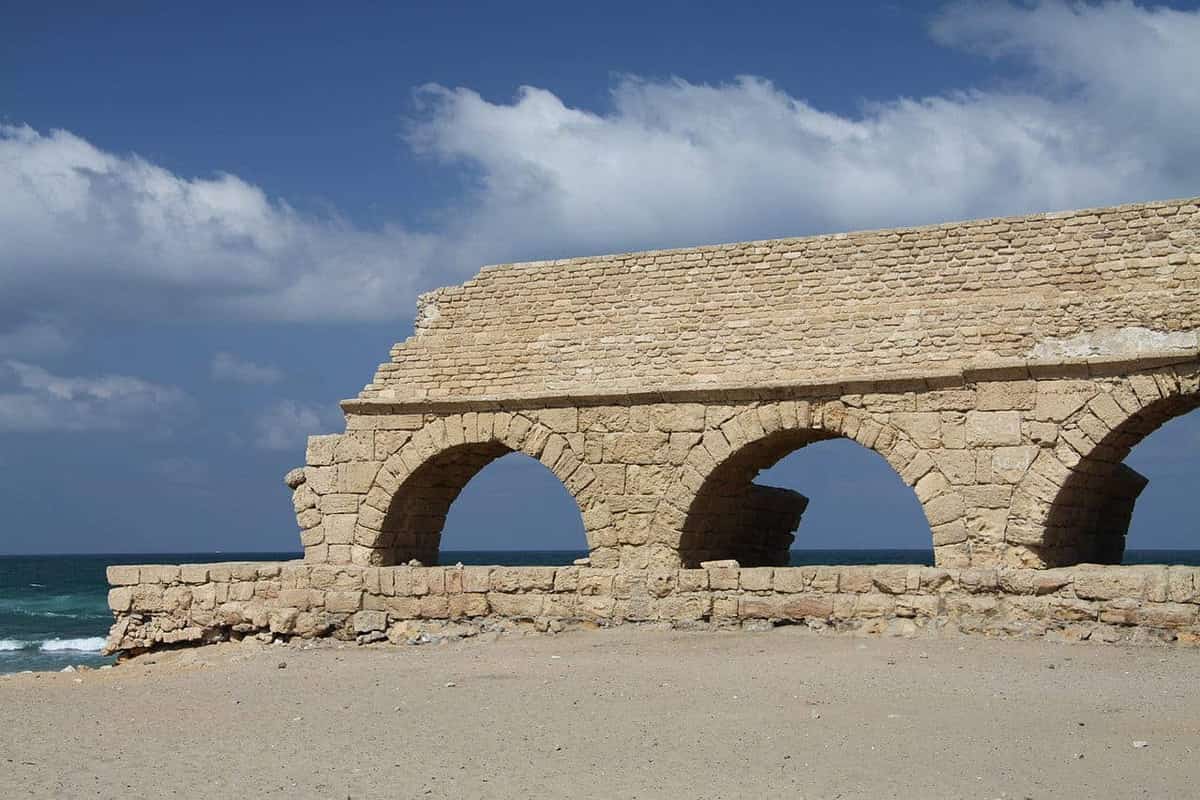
{"points": [[714, 510], [1076, 501], [402, 515]]}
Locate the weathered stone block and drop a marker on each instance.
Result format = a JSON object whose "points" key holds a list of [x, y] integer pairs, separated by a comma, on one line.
{"points": [[319, 452], [120, 575], [756, 579], [343, 602], [636, 448], [356, 476], [517, 606], [468, 605], [993, 428]]}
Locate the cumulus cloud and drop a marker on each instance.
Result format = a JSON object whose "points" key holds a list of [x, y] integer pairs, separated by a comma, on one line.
{"points": [[33, 399], [106, 234], [675, 162], [228, 367], [1102, 110], [287, 426]]}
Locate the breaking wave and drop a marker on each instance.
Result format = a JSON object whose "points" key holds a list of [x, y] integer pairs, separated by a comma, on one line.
{"points": [[90, 644]]}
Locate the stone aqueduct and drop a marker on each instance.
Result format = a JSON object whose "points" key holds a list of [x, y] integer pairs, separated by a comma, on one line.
{"points": [[1004, 368]]}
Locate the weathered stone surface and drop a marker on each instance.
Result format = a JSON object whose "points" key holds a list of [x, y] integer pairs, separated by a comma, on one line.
{"points": [[1136, 603], [1001, 368]]}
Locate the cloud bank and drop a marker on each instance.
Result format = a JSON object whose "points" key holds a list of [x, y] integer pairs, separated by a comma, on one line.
{"points": [[1104, 112], [32, 399]]}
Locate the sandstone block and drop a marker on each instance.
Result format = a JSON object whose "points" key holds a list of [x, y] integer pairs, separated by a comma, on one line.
{"points": [[672, 417], [756, 579], [1006, 395], [462, 606], [343, 602], [433, 606], [993, 428], [120, 598], [636, 448], [321, 480], [518, 606], [723, 577], [476, 579], [356, 477], [339, 528], [923, 427], [121, 575], [369, 621], [692, 580]]}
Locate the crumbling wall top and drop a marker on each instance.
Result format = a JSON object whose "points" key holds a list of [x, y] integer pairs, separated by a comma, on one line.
{"points": [[1112, 282]]}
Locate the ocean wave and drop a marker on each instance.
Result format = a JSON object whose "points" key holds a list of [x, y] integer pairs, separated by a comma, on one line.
{"points": [[8, 645], [91, 644]]}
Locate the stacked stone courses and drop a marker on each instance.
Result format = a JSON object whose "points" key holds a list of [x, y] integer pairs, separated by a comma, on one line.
{"points": [[171, 605], [914, 301], [1004, 369]]}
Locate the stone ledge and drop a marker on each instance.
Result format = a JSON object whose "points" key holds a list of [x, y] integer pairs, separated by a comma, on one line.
{"points": [[931, 380], [170, 605]]}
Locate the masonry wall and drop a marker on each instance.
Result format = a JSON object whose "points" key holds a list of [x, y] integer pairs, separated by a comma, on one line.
{"points": [[1017, 465], [909, 301], [157, 606]]}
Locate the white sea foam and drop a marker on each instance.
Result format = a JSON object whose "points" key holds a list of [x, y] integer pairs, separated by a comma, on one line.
{"points": [[92, 644], [10, 644]]}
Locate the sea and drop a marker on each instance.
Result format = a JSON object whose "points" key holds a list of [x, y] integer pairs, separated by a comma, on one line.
{"points": [[54, 609]]}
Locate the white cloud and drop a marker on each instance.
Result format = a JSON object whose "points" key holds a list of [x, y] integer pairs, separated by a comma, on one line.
{"points": [[287, 426], [37, 400], [675, 162], [1101, 108], [104, 234], [228, 367]]}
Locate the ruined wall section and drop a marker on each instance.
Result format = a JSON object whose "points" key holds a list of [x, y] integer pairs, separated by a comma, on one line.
{"points": [[165, 605], [915, 301]]}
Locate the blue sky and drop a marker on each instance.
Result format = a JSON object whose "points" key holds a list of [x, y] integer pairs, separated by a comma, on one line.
{"points": [[214, 220]]}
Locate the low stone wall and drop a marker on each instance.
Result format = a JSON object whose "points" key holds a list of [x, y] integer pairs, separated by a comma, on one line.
{"points": [[156, 606]]}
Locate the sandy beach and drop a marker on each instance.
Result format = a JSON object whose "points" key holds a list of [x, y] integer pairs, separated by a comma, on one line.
{"points": [[624, 713]]}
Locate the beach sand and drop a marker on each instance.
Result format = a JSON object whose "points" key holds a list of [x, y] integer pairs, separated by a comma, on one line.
{"points": [[623, 713]]}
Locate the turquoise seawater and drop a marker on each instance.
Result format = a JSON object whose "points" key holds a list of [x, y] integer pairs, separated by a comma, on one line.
{"points": [[54, 609]]}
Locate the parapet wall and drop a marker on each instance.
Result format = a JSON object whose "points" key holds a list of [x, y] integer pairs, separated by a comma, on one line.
{"points": [[156, 606], [851, 306]]}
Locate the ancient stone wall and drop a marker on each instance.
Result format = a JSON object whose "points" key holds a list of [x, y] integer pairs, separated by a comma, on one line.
{"points": [[157, 606], [1017, 465], [1003, 368], [909, 301]]}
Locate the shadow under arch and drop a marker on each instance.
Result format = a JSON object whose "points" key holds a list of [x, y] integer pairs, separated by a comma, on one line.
{"points": [[726, 515], [1089, 515], [405, 510]]}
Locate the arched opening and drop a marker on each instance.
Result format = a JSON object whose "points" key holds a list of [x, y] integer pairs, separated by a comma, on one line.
{"points": [[1090, 515], [416, 517], [746, 509], [412, 527], [513, 512], [859, 510], [1165, 527]]}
